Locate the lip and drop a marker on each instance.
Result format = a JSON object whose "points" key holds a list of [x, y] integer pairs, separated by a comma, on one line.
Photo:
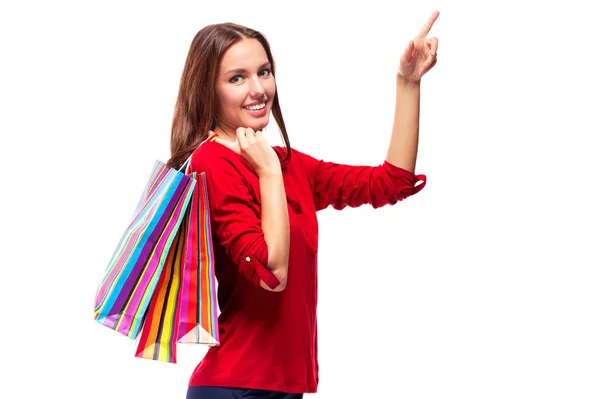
{"points": [[260, 112]]}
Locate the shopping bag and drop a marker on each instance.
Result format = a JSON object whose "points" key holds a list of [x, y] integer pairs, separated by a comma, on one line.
{"points": [[199, 311], [184, 307], [137, 263]]}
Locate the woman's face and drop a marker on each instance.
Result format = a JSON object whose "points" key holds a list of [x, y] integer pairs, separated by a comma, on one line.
{"points": [[245, 86]]}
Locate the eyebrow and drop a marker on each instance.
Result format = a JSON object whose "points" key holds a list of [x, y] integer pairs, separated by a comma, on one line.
{"points": [[242, 70]]}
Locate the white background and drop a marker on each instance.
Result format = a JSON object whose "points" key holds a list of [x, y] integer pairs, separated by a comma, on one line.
{"points": [[483, 285]]}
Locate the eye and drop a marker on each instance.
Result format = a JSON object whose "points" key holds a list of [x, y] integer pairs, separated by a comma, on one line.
{"points": [[233, 80], [267, 70]]}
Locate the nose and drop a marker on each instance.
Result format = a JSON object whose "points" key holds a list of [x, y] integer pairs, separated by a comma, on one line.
{"points": [[256, 88]]}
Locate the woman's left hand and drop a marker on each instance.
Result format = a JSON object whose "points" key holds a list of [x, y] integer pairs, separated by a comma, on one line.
{"points": [[421, 53]]}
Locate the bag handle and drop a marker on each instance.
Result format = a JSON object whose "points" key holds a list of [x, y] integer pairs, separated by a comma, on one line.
{"points": [[185, 165]]}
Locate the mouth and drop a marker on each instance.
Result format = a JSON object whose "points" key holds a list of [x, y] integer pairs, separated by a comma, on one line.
{"points": [[256, 109]]}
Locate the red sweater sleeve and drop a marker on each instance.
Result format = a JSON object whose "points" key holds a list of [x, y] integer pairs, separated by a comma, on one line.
{"points": [[345, 185], [235, 217]]}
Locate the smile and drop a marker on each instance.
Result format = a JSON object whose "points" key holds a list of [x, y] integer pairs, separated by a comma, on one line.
{"points": [[256, 107]]}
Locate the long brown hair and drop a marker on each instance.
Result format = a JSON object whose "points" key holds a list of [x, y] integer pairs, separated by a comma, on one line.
{"points": [[195, 108]]}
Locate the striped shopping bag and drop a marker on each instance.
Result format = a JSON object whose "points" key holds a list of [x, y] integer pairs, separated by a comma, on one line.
{"points": [[160, 279], [184, 308], [134, 269]]}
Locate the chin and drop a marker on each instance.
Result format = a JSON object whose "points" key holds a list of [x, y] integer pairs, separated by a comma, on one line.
{"points": [[257, 125]]}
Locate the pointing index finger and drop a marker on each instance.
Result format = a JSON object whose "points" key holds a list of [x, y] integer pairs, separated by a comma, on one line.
{"points": [[427, 27]]}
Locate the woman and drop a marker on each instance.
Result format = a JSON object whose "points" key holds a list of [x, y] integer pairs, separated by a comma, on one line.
{"points": [[263, 204]]}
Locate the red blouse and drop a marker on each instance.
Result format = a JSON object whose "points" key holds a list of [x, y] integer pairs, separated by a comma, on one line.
{"points": [[269, 339]]}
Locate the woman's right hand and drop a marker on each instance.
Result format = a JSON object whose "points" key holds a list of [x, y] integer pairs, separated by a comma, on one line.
{"points": [[253, 147]]}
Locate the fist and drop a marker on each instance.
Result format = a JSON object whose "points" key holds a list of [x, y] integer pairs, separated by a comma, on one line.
{"points": [[253, 147]]}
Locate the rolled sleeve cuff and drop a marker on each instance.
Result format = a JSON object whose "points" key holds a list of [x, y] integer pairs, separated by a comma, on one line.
{"points": [[253, 264], [261, 272], [406, 181]]}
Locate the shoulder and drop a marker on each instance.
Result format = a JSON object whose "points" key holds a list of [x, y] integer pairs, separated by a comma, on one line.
{"points": [[220, 164], [211, 156]]}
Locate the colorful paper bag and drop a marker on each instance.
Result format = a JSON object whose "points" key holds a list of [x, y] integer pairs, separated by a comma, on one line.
{"points": [[134, 269], [184, 307], [198, 313]]}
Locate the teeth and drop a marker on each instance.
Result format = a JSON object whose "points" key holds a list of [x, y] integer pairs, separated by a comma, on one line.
{"points": [[256, 107]]}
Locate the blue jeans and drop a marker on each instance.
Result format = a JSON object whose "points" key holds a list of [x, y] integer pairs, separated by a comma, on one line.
{"points": [[237, 393]]}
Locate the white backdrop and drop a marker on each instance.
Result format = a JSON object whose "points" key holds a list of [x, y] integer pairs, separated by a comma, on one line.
{"points": [[483, 285]]}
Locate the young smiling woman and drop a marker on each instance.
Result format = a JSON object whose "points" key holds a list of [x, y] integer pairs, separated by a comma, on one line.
{"points": [[245, 88], [263, 204]]}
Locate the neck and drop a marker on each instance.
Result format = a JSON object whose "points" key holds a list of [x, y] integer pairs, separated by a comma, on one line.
{"points": [[225, 131]]}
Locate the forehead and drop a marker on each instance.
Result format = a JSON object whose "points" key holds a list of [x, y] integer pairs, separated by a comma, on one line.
{"points": [[247, 54]]}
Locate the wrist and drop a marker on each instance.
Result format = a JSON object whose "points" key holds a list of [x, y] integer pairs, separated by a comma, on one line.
{"points": [[269, 173], [402, 80]]}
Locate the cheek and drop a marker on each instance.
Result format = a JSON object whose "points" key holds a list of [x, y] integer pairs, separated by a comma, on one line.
{"points": [[229, 100]]}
